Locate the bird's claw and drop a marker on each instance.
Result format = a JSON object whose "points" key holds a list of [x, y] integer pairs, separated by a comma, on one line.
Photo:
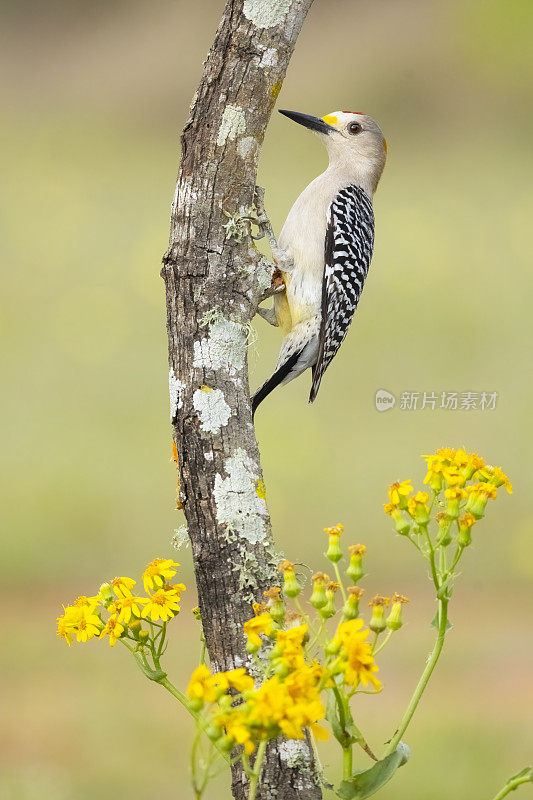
{"points": [[277, 283]]}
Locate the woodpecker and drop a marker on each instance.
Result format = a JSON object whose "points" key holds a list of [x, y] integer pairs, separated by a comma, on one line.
{"points": [[328, 237]]}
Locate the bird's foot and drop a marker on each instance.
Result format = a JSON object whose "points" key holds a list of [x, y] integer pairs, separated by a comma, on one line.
{"points": [[281, 257], [268, 314], [277, 284]]}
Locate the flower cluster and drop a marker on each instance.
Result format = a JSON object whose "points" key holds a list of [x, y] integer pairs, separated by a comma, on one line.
{"points": [[296, 661], [115, 612], [285, 703], [461, 485]]}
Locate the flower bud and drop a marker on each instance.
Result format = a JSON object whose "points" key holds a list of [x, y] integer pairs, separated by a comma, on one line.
{"points": [[275, 604], [355, 569], [252, 647], [333, 647], [418, 509], [281, 669], [226, 743], [378, 605], [224, 700], [445, 524], [106, 593], [318, 597], [350, 610], [334, 552], [291, 587], [143, 637], [454, 495], [328, 610], [135, 628], [402, 526], [464, 537], [213, 732], [394, 620], [478, 497], [195, 703]]}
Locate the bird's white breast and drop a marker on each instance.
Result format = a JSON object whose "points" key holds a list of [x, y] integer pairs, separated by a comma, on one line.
{"points": [[303, 237]]}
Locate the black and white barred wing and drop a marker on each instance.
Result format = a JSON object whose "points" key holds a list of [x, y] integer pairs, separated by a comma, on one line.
{"points": [[348, 252]]}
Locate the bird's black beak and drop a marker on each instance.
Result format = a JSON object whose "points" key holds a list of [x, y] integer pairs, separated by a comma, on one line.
{"points": [[313, 123]]}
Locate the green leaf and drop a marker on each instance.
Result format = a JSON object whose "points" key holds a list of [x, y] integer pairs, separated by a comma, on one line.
{"points": [[332, 716], [364, 784], [527, 772], [435, 622]]}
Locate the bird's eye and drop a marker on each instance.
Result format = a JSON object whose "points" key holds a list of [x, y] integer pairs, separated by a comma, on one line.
{"points": [[354, 127]]}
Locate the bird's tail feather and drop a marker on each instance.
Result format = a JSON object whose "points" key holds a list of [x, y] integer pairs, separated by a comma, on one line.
{"points": [[278, 377], [315, 384]]}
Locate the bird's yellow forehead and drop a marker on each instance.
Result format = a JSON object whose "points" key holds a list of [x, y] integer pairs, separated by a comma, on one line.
{"points": [[329, 119]]}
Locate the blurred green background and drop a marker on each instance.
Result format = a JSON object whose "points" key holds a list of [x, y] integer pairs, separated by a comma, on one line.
{"points": [[93, 98]]}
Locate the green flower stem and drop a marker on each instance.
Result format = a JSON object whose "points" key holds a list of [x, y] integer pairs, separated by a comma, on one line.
{"points": [[161, 633], [256, 772], [383, 643], [194, 774], [339, 581], [426, 675], [347, 763], [526, 776], [300, 609], [318, 635], [431, 558]]}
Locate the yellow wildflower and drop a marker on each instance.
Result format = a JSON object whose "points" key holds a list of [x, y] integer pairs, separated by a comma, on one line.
{"points": [[446, 453], [435, 472], [418, 509], [123, 586], [157, 572], [113, 629], [399, 492], [201, 686], [86, 602], [88, 625], [288, 651], [234, 723], [233, 679], [66, 624], [495, 476], [162, 604], [453, 476], [125, 607], [360, 666], [256, 626]]}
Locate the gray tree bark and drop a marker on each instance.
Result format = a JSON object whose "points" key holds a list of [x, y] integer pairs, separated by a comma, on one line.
{"points": [[214, 278]]}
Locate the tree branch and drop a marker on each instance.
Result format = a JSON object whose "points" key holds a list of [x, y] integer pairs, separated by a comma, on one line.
{"points": [[214, 279]]}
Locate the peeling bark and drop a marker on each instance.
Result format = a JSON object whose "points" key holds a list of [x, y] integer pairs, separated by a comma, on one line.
{"points": [[214, 279]]}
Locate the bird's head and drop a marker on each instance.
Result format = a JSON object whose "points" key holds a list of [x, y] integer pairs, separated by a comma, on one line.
{"points": [[354, 141]]}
